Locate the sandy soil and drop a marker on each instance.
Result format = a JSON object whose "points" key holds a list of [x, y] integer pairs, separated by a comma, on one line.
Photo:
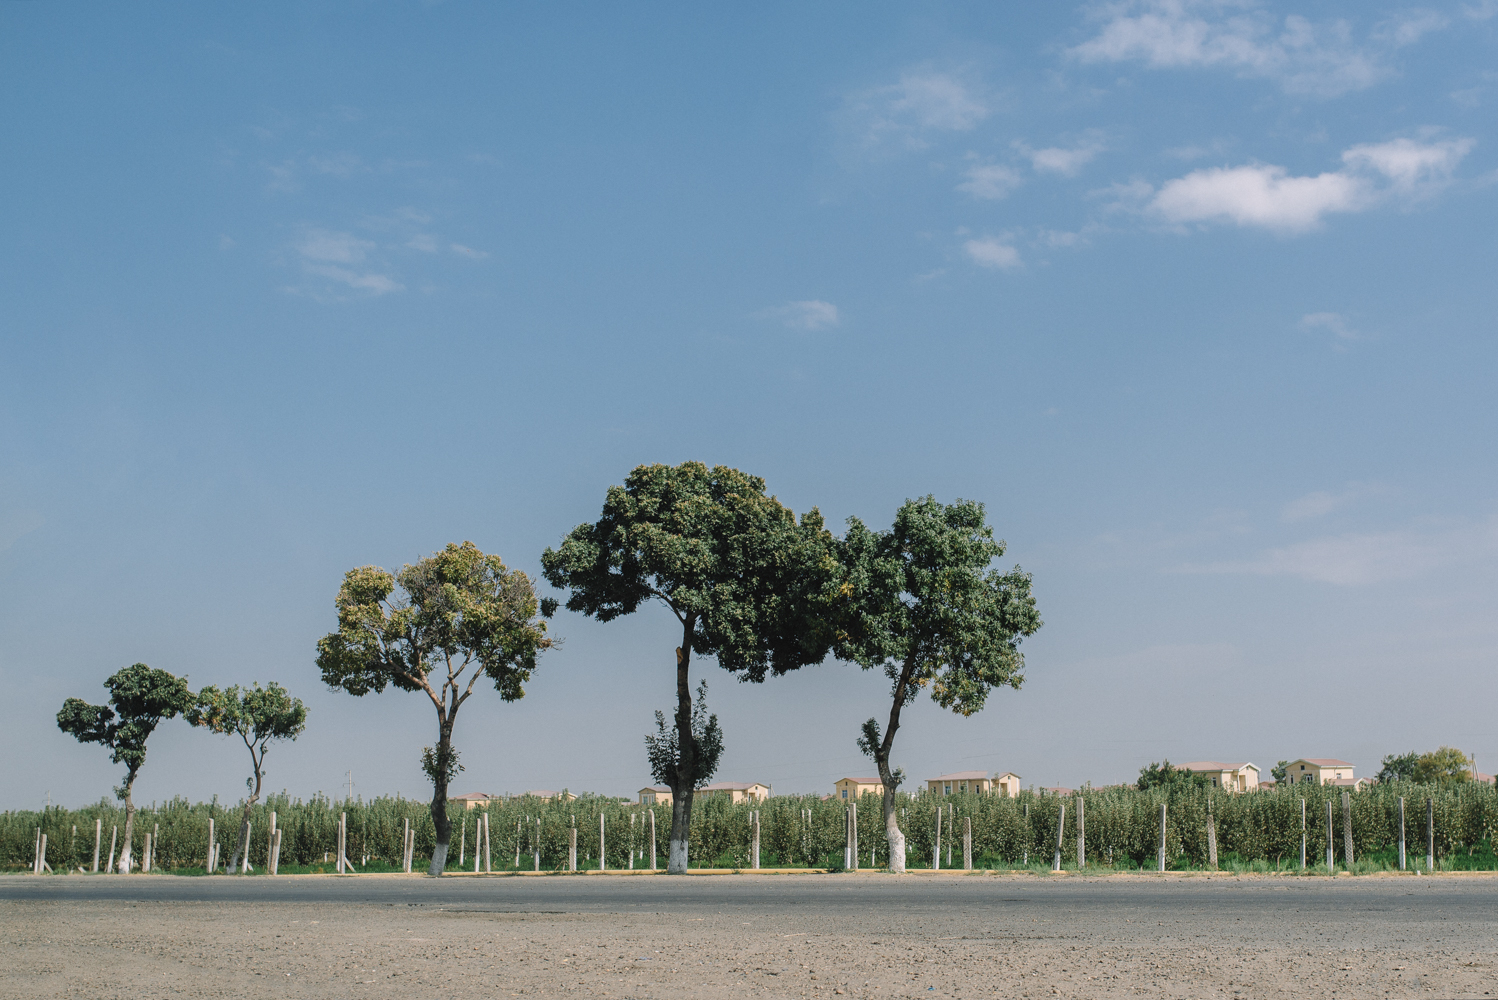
{"points": [[136, 949]]}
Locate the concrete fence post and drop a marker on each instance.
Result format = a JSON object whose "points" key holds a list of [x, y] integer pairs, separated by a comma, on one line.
{"points": [[463, 841], [603, 864], [1429, 834], [651, 815], [1347, 830], [1331, 841], [488, 868], [275, 853], [1029, 836], [572, 846], [1211, 838], [98, 840], [145, 857], [270, 842], [1401, 833], [1162, 837], [632, 818], [41, 859], [853, 826], [1060, 833], [936, 854], [36, 853], [207, 861], [756, 839], [967, 843], [1081, 832], [1302, 834]]}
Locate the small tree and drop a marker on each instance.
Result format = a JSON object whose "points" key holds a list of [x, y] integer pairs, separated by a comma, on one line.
{"points": [[1442, 766], [1280, 771], [746, 582], [922, 604], [140, 699], [664, 750], [257, 716], [1169, 777], [459, 610], [1398, 767]]}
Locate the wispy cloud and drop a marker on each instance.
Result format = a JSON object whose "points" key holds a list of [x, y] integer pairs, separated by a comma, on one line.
{"points": [[994, 253], [1303, 56], [1322, 502], [424, 242], [1376, 557], [1335, 323], [468, 252], [919, 105], [1064, 160], [1270, 197], [811, 314], [325, 253], [1409, 27], [990, 182]]}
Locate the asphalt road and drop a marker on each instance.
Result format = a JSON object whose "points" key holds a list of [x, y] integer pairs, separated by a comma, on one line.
{"points": [[1464, 900]]}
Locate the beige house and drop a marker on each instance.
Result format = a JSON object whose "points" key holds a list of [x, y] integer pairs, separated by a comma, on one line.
{"points": [[960, 781], [1320, 771], [736, 791], [542, 793], [1007, 784], [653, 796], [852, 788], [1233, 777], [473, 800]]}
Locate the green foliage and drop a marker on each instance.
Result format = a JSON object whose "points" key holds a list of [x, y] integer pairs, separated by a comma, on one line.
{"points": [[1279, 771], [1173, 779], [661, 747], [440, 765], [457, 608], [748, 582], [922, 603], [1256, 831], [1398, 767], [140, 699], [256, 715], [1445, 764]]}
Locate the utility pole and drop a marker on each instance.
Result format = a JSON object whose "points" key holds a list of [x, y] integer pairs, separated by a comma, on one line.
{"points": [[350, 783]]}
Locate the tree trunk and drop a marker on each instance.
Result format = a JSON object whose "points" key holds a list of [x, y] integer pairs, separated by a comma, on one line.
{"points": [[123, 866], [439, 800], [887, 774], [242, 845], [686, 756]]}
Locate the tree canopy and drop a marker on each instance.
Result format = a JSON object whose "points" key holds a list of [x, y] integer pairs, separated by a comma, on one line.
{"points": [[1169, 777], [459, 615], [664, 753], [1446, 764], [922, 603]]}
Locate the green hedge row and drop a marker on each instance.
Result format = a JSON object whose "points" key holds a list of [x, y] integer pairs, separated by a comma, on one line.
{"points": [[1122, 828]]}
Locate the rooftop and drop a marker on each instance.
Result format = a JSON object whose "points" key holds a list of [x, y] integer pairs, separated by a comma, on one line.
{"points": [[961, 776]]}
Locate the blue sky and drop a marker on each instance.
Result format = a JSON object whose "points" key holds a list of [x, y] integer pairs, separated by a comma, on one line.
{"points": [[1197, 297]]}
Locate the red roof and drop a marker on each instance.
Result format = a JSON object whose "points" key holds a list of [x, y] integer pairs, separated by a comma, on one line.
{"points": [[1326, 762]]}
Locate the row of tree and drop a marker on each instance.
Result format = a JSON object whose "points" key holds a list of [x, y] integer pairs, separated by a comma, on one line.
{"points": [[141, 698], [751, 585]]}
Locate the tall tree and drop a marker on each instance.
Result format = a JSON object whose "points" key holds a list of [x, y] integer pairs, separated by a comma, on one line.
{"points": [[923, 605], [747, 583], [140, 699], [459, 615], [257, 716]]}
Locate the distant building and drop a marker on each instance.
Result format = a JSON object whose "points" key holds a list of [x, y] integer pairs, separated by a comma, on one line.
{"points": [[959, 782], [1237, 777], [1007, 784], [1320, 771], [650, 795], [852, 788], [736, 791], [473, 800], [546, 794]]}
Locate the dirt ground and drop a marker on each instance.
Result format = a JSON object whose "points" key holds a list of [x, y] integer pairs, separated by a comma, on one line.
{"points": [[107, 949]]}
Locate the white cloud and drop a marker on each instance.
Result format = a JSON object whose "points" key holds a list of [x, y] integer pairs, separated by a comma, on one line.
{"points": [[1409, 164], [921, 103], [1322, 502], [378, 284], [1270, 197], [1375, 557], [989, 252], [1302, 55], [991, 181], [812, 314], [1259, 196], [1409, 27], [1334, 322], [468, 252], [341, 248], [1059, 159]]}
